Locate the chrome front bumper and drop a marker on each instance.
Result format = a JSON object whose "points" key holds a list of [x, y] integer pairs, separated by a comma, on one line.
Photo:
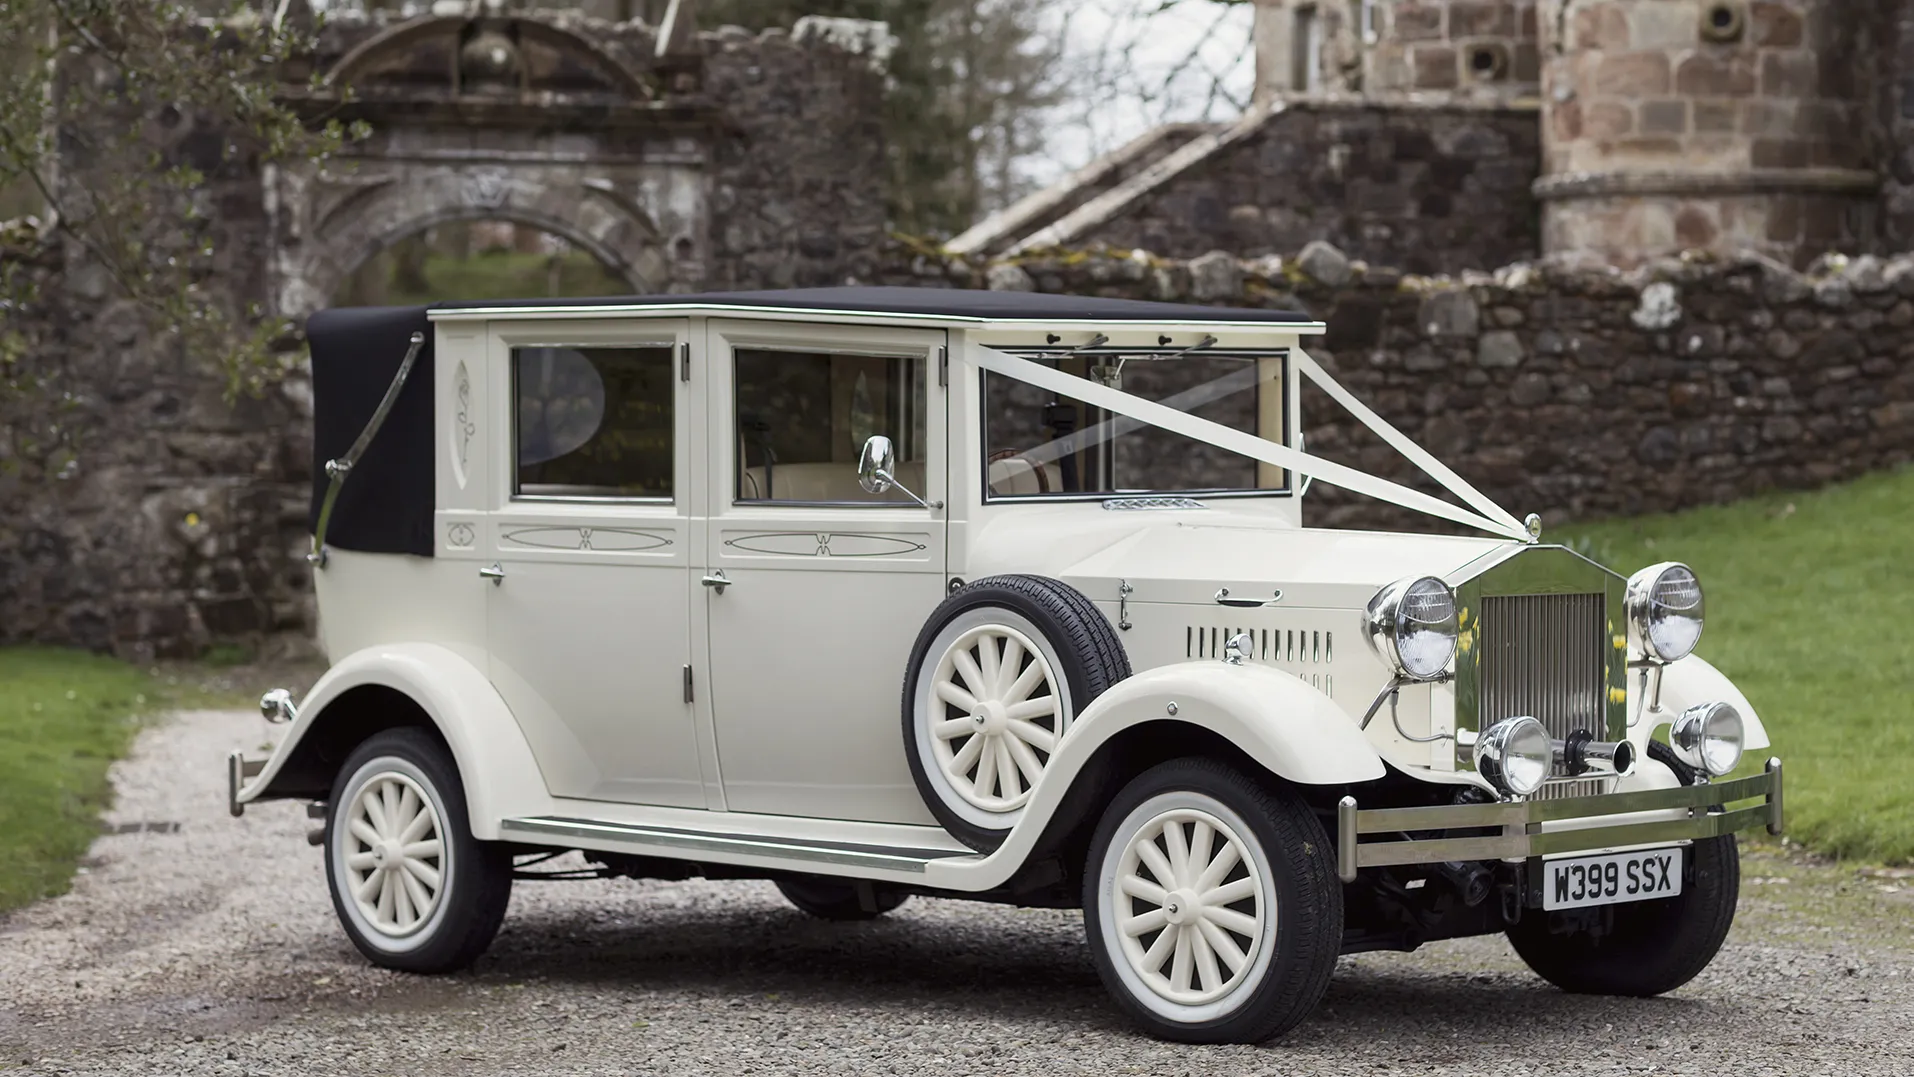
{"points": [[1522, 824]]}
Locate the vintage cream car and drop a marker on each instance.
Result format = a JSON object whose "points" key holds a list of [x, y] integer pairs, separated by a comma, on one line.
{"points": [[876, 592]]}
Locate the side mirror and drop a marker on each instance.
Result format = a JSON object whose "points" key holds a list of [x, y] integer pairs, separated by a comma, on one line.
{"points": [[876, 470], [876, 465]]}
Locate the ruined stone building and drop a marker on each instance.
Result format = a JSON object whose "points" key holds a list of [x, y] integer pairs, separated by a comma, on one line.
{"points": [[1466, 134], [1489, 197]]}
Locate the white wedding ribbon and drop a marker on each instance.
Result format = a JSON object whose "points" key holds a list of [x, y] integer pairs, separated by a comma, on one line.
{"points": [[1492, 518]]}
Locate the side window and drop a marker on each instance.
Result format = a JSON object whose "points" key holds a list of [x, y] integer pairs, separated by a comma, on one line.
{"points": [[802, 417], [592, 422]]}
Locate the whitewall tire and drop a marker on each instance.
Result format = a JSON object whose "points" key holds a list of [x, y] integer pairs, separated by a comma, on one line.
{"points": [[411, 887], [999, 671], [1211, 904]]}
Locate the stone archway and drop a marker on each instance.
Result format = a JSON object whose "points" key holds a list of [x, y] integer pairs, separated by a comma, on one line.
{"points": [[356, 216], [524, 119]]}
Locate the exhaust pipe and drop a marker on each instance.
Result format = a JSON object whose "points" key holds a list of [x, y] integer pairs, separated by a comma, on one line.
{"points": [[1581, 753]]}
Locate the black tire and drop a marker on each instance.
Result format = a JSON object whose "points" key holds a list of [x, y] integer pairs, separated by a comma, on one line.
{"points": [[836, 899], [475, 877], [1642, 948], [1088, 657], [1295, 952]]}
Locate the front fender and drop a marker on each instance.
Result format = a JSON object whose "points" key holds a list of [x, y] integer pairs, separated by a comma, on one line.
{"points": [[1693, 681], [1294, 730], [496, 765], [1273, 717]]}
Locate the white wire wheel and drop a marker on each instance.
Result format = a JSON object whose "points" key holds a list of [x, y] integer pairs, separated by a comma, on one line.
{"points": [[1188, 906], [989, 713], [392, 862]]}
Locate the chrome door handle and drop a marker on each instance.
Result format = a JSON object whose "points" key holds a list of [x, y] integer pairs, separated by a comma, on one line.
{"points": [[494, 572], [716, 581], [1223, 599]]}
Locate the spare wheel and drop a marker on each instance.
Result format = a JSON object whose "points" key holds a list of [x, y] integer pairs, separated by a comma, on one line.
{"points": [[998, 673]]}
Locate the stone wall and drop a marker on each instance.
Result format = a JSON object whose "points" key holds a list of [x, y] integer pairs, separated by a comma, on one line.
{"points": [[1426, 187], [148, 515], [1571, 391], [798, 190]]}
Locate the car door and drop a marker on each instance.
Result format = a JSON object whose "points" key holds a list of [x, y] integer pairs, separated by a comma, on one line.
{"points": [[588, 623], [815, 588]]}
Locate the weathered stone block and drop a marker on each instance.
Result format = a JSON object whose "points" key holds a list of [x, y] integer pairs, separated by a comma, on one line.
{"points": [[1436, 68], [1789, 74], [1215, 276], [1451, 313], [1007, 277], [1662, 26], [1500, 348], [1411, 20], [1633, 75], [1664, 117], [1324, 263]]}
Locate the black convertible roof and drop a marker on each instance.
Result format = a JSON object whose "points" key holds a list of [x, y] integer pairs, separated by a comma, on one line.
{"points": [[956, 303]]}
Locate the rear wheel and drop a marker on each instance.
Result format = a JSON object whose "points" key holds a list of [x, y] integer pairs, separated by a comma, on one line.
{"points": [[1640, 948], [412, 888], [1212, 908], [838, 899]]}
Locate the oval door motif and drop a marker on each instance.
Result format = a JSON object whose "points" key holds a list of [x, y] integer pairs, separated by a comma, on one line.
{"points": [[599, 539], [828, 544]]}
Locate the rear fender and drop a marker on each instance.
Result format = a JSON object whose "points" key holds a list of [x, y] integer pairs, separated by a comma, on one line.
{"points": [[496, 765]]}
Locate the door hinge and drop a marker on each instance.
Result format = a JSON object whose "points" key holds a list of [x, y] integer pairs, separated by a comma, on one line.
{"points": [[943, 368], [684, 360], [687, 684]]}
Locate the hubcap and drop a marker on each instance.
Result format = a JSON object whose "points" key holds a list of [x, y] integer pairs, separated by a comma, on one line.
{"points": [[994, 716], [1188, 906], [394, 854]]}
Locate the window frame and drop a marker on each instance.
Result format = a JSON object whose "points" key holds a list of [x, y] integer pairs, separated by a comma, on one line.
{"points": [[1284, 377], [513, 336], [737, 342]]}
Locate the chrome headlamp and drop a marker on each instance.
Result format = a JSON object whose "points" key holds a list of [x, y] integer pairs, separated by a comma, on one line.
{"points": [[1411, 624], [1665, 608], [1515, 755], [1709, 737]]}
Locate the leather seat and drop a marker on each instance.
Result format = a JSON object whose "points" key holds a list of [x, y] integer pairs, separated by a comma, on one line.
{"points": [[827, 482]]}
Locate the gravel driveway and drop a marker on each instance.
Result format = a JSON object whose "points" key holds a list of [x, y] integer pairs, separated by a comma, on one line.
{"points": [[210, 948]]}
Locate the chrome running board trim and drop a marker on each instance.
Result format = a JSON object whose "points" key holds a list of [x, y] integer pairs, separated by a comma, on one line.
{"points": [[673, 841]]}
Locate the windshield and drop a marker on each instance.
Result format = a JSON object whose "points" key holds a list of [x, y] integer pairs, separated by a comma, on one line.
{"points": [[1040, 444]]}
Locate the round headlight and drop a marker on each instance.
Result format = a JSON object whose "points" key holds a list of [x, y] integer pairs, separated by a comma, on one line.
{"points": [[1665, 610], [1411, 624], [1709, 738], [1515, 755]]}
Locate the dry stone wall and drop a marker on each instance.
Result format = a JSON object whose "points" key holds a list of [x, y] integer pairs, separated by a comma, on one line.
{"points": [[1567, 390]]}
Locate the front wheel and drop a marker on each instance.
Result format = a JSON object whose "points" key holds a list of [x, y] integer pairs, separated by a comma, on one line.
{"points": [[413, 889], [1212, 907], [1641, 948]]}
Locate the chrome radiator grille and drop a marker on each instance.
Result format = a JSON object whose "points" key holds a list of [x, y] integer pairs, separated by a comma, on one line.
{"points": [[1542, 656]]}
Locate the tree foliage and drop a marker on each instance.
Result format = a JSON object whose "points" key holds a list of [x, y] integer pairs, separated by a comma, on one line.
{"points": [[971, 80], [119, 119]]}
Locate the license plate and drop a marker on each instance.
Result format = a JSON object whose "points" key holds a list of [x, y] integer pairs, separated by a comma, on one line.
{"points": [[1612, 879]]}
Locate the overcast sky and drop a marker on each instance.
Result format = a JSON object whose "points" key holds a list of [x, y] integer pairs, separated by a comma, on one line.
{"points": [[1159, 37]]}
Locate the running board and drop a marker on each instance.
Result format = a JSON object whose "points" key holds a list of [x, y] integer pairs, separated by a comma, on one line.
{"points": [[668, 841]]}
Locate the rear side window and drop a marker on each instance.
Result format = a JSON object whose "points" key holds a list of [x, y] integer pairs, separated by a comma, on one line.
{"points": [[592, 422]]}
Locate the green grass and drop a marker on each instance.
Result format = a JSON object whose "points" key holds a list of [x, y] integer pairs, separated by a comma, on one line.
{"points": [[64, 717], [1811, 613]]}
